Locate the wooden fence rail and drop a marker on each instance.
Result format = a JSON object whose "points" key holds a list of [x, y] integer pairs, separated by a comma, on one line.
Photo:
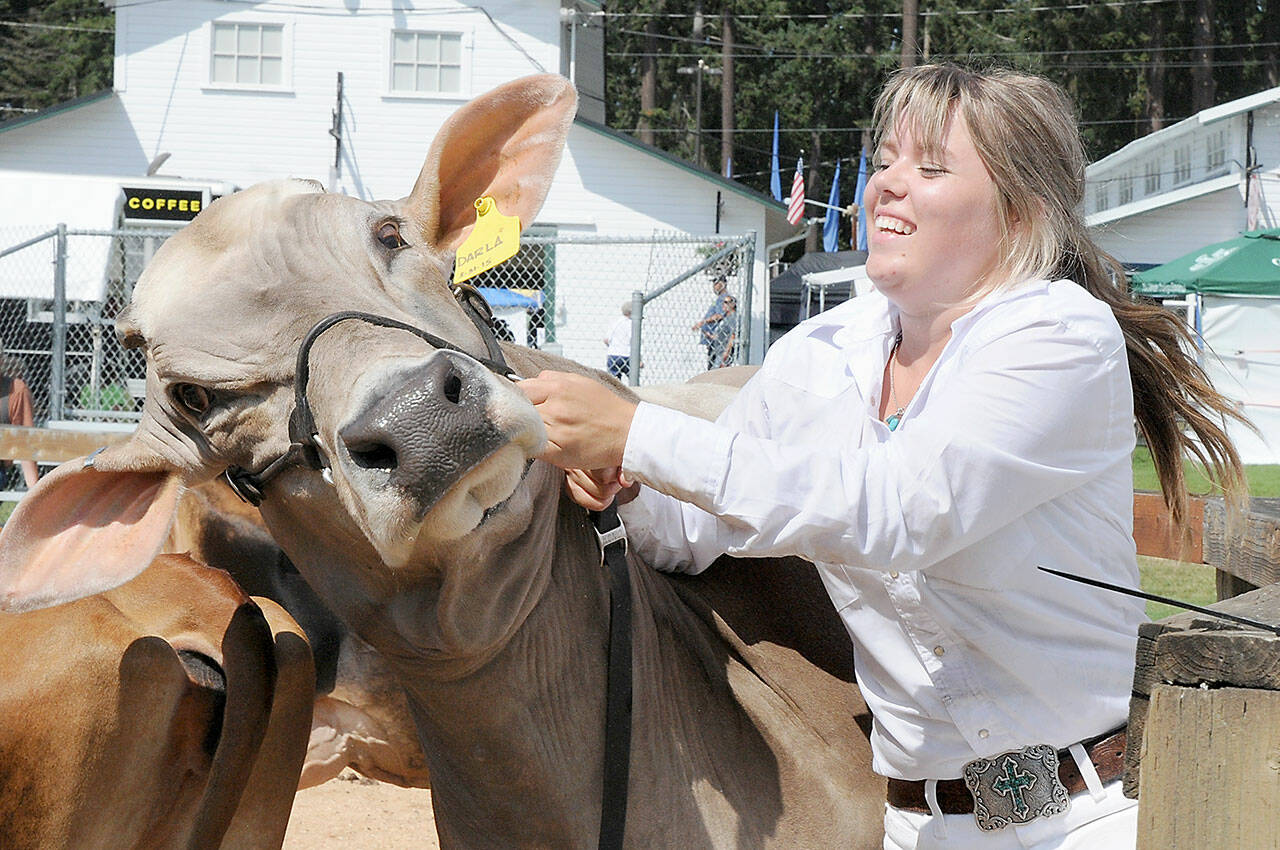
{"points": [[1204, 721]]}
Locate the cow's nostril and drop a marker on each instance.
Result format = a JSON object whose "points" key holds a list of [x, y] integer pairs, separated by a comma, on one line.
{"points": [[373, 456], [452, 387]]}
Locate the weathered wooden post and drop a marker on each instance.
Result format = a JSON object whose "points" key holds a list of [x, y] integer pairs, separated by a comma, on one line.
{"points": [[1204, 721]]}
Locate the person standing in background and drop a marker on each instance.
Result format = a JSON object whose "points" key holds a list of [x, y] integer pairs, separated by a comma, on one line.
{"points": [[712, 318], [617, 356], [724, 347], [17, 408]]}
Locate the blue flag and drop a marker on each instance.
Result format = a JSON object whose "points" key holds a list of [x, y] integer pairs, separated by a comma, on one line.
{"points": [[862, 210], [831, 227], [775, 182]]}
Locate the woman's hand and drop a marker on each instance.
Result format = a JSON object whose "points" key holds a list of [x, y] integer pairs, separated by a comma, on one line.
{"points": [[594, 489], [587, 423]]}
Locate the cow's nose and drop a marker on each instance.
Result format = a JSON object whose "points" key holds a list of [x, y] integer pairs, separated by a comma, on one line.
{"points": [[429, 430]]}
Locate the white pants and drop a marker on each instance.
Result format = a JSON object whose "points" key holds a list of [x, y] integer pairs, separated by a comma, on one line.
{"points": [[1107, 824]]}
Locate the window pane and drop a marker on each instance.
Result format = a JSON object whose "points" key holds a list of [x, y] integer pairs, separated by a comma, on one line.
{"points": [[224, 69], [426, 79], [450, 50], [273, 41], [402, 77], [247, 69], [428, 48], [247, 39], [402, 47], [450, 78], [224, 38], [272, 71]]}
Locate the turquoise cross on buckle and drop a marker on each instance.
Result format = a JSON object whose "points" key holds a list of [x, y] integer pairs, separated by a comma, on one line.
{"points": [[1011, 784], [1015, 787]]}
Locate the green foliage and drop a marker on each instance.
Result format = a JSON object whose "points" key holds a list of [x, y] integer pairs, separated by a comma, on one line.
{"points": [[62, 50], [820, 64]]}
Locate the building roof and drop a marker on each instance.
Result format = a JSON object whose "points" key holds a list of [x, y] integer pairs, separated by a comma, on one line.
{"points": [[1162, 199], [728, 183], [57, 108], [1204, 116]]}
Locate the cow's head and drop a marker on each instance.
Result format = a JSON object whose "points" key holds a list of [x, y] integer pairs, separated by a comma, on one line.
{"points": [[422, 445]]}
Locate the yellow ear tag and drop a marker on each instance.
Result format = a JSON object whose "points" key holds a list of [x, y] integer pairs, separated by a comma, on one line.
{"points": [[494, 239]]}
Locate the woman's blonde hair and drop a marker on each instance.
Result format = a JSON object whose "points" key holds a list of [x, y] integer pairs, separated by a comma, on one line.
{"points": [[1025, 131]]}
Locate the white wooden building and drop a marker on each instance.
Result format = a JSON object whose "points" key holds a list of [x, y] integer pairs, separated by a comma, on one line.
{"points": [[238, 92], [1196, 182]]}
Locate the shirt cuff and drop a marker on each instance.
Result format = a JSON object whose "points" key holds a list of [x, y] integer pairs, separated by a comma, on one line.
{"points": [[677, 454]]}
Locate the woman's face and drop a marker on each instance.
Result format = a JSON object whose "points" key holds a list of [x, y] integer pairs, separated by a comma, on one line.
{"points": [[934, 230]]}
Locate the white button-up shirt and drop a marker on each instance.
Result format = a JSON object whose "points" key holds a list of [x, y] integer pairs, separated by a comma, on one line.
{"points": [[1014, 452]]}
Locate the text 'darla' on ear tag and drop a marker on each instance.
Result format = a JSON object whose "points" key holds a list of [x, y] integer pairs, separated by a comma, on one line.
{"points": [[494, 239]]}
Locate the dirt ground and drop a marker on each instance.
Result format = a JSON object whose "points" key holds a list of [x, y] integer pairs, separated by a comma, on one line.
{"points": [[354, 812]]}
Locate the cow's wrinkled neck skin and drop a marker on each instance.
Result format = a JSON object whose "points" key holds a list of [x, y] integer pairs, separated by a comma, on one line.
{"points": [[502, 650]]}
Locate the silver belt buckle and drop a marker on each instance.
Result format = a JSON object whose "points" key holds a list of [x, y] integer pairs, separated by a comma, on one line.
{"points": [[1016, 787]]}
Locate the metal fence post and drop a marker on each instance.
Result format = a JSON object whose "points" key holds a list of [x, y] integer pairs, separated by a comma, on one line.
{"points": [[58, 363], [748, 266], [637, 320]]}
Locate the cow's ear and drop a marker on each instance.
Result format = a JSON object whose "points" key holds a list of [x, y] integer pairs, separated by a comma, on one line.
{"points": [[81, 531], [505, 144]]}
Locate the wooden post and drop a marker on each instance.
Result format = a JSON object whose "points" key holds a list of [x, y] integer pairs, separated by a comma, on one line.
{"points": [[1204, 729]]}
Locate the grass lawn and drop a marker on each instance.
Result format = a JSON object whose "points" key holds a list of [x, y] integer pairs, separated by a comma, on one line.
{"points": [[1188, 582]]}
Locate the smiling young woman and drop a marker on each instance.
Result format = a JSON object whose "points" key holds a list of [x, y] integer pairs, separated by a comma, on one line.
{"points": [[927, 447]]}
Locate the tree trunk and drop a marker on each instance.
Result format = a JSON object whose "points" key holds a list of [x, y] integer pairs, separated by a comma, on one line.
{"points": [[1203, 88], [910, 9], [1271, 35], [1156, 72], [648, 81], [726, 94]]}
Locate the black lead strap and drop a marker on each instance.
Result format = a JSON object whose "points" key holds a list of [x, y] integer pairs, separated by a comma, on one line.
{"points": [[617, 712]]}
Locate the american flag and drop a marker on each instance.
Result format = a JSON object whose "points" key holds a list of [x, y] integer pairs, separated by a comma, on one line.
{"points": [[795, 207]]}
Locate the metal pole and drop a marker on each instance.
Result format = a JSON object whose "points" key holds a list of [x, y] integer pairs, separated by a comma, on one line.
{"points": [[749, 264], [637, 319], [58, 364]]}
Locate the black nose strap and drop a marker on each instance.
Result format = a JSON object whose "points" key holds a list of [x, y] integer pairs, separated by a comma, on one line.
{"points": [[303, 446]]}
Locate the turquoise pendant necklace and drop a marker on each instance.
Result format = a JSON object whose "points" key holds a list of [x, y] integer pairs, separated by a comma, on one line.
{"points": [[895, 418]]}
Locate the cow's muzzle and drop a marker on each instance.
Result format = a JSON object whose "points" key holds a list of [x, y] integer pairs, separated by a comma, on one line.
{"points": [[427, 431], [304, 444]]}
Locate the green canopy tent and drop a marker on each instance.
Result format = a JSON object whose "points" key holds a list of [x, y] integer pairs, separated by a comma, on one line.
{"points": [[1232, 294], [1246, 265]]}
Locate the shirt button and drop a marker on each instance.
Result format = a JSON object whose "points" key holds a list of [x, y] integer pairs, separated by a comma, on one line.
{"points": [[982, 733], [893, 574], [939, 651]]}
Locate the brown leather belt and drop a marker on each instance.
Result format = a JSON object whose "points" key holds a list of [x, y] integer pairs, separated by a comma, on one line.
{"points": [[1106, 752]]}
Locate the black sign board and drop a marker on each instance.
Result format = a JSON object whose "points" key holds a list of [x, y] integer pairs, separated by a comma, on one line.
{"points": [[162, 204]]}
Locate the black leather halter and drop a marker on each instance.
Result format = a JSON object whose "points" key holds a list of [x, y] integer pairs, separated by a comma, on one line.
{"points": [[304, 446]]}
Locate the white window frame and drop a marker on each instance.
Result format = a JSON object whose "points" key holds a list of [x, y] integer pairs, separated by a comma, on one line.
{"points": [[466, 43], [1215, 151], [286, 57], [1182, 164], [1101, 196], [1151, 177], [1126, 188]]}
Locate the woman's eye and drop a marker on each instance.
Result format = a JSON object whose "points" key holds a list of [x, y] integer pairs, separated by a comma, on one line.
{"points": [[389, 235], [193, 398]]}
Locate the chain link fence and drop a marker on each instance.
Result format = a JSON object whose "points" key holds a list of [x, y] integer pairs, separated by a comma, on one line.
{"points": [[60, 291]]}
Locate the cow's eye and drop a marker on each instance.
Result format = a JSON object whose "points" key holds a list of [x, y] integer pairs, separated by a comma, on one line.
{"points": [[193, 398], [389, 235]]}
